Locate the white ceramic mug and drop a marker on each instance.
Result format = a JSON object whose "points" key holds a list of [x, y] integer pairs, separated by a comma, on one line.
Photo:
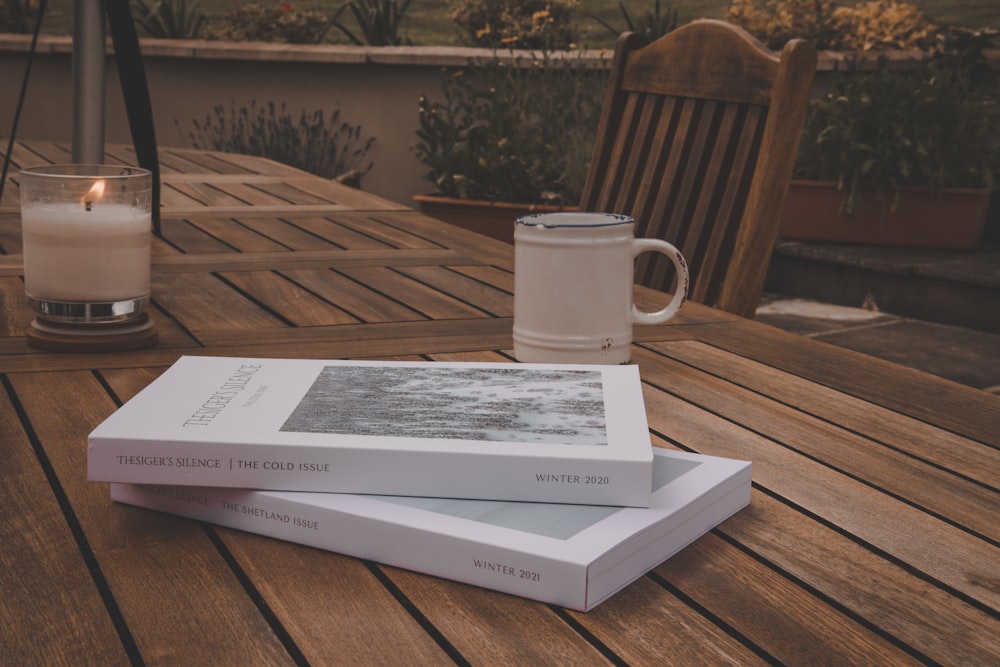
{"points": [[573, 284]]}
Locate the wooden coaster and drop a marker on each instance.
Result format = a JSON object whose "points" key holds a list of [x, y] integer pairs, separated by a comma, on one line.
{"points": [[55, 337]]}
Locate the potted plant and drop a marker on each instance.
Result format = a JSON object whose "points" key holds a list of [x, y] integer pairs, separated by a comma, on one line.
{"points": [[512, 135], [901, 153]]}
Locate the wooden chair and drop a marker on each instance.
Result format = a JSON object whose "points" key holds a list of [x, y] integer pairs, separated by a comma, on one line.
{"points": [[698, 136]]}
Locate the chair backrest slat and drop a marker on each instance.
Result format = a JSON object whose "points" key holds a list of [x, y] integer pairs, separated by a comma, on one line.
{"points": [[697, 139], [654, 192]]}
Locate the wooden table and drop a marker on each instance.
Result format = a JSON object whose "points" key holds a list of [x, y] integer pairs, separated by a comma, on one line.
{"points": [[872, 537]]}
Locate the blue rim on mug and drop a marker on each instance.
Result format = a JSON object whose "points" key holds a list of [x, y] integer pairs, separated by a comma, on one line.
{"points": [[572, 219]]}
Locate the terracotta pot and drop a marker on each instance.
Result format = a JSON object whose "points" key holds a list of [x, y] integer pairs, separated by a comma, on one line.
{"points": [[953, 219], [494, 219]]}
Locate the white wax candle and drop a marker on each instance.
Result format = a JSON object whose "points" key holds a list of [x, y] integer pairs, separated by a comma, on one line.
{"points": [[75, 254]]}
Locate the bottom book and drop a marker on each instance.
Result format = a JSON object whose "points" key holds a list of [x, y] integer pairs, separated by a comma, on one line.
{"points": [[575, 556]]}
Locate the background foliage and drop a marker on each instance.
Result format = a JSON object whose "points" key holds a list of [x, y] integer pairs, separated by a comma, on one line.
{"points": [[864, 26], [516, 24], [169, 19], [934, 124], [316, 142], [516, 132], [273, 22], [428, 21], [376, 22], [18, 15]]}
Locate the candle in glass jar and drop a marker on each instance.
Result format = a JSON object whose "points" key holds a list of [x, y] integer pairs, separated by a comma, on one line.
{"points": [[86, 251]]}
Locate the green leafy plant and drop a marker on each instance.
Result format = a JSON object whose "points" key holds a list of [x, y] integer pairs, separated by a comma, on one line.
{"points": [[317, 143], [170, 19], [518, 130], [884, 24], [781, 20], [18, 16], [874, 25], [654, 23], [932, 123], [379, 21], [521, 24], [274, 23]]}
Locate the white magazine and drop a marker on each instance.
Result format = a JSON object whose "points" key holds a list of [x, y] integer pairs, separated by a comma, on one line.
{"points": [[504, 431], [575, 556]]}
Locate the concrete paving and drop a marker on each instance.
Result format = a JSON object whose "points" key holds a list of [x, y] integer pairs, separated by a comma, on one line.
{"points": [[967, 356], [956, 287]]}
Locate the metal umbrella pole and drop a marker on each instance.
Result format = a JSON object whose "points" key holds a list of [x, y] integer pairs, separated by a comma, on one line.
{"points": [[88, 81]]}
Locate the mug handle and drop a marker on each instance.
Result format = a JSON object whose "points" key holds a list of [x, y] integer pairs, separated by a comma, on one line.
{"points": [[642, 245]]}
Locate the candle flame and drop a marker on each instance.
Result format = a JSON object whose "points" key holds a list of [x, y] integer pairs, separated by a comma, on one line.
{"points": [[94, 194]]}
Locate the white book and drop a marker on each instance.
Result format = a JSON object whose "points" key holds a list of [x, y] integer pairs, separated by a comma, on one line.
{"points": [[575, 556], [503, 431]]}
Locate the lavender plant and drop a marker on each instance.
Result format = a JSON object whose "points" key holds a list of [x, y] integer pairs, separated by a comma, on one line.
{"points": [[316, 142]]}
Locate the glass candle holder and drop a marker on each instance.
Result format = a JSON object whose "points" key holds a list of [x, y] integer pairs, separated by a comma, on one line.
{"points": [[86, 243]]}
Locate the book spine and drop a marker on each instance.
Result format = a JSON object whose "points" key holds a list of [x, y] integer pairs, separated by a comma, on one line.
{"points": [[433, 474], [278, 515]]}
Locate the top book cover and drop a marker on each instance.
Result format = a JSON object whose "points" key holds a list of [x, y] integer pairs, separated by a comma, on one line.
{"points": [[491, 431]]}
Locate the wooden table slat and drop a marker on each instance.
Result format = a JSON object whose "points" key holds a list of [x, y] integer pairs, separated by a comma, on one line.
{"points": [[961, 409], [919, 439], [142, 555], [328, 229], [494, 301], [201, 193], [211, 163], [909, 606], [237, 236], [485, 626], [739, 588], [952, 497], [362, 302], [181, 236], [42, 572], [323, 601], [45, 152], [418, 296], [284, 298], [961, 560], [176, 164], [199, 300], [391, 228]]}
